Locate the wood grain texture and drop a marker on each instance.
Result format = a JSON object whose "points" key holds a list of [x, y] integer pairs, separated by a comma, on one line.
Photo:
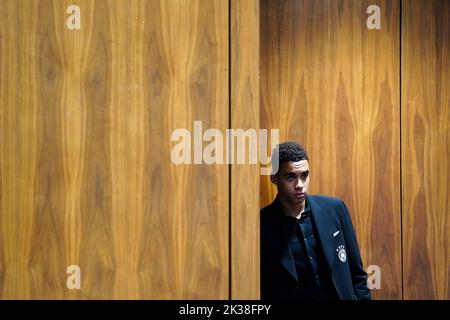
{"points": [[426, 149], [331, 84], [85, 173], [187, 206], [244, 178], [18, 123], [86, 118]]}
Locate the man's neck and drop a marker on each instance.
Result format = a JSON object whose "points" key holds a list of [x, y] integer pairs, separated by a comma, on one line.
{"points": [[293, 211]]}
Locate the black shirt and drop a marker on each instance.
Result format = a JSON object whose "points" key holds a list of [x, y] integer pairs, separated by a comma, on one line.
{"points": [[313, 274]]}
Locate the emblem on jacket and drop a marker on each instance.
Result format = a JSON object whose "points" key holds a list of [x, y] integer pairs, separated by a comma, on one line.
{"points": [[342, 255]]}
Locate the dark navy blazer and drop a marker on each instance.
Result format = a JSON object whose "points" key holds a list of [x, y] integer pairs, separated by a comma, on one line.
{"points": [[337, 239]]}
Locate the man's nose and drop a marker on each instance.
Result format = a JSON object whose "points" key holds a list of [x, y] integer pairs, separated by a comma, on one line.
{"points": [[299, 184]]}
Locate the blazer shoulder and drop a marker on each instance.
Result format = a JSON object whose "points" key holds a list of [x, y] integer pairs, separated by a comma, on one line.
{"points": [[335, 205], [270, 214], [333, 201], [267, 211]]}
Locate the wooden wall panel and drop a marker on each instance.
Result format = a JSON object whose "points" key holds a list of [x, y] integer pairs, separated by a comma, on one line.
{"points": [[244, 178], [86, 118], [426, 149], [330, 83], [187, 206], [18, 126]]}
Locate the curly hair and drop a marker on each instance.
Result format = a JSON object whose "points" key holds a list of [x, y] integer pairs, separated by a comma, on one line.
{"points": [[286, 152]]}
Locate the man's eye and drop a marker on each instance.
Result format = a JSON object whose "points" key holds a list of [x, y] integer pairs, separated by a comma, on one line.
{"points": [[290, 178]]}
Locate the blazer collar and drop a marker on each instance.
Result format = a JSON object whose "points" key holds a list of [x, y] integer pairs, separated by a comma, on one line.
{"points": [[324, 226]]}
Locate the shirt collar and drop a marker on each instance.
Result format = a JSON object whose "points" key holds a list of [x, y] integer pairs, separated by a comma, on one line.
{"points": [[306, 212]]}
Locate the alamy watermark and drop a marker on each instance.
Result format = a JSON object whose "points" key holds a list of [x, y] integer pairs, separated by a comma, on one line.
{"points": [[74, 278], [235, 146], [374, 277]]}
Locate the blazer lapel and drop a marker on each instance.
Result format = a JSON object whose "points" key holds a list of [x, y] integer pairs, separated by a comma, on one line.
{"points": [[324, 228]]}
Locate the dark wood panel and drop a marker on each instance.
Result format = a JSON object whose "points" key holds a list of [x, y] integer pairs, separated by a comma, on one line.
{"points": [[426, 149], [331, 84]]}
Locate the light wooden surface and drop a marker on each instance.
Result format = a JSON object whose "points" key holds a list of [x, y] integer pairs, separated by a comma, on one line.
{"points": [[245, 178], [426, 149], [331, 84], [85, 173]]}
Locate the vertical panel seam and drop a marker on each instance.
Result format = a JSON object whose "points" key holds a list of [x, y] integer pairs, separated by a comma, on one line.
{"points": [[401, 151], [229, 163]]}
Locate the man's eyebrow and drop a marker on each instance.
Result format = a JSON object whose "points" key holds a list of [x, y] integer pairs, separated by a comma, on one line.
{"points": [[293, 173]]}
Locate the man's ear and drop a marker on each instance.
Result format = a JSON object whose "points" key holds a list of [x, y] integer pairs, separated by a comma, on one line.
{"points": [[274, 179]]}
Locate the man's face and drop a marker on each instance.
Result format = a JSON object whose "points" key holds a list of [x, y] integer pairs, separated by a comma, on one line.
{"points": [[292, 181]]}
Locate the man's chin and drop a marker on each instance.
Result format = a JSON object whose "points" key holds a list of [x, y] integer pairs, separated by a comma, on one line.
{"points": [[298, 199]]}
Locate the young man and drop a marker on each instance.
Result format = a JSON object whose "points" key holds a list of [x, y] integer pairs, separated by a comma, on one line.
{"points": [[308, 246]]}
